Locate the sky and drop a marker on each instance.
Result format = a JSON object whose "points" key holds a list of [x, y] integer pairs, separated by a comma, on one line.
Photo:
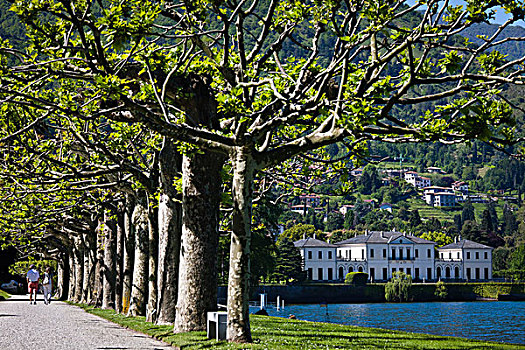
{"points": [[501, 16]]}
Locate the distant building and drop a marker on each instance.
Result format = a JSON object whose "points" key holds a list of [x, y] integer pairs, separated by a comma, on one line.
{"points": [[345, 208], [312, 200], [435, 170], [440, 196], [460, 186], [357, 172], [417, 181], [386, 206], [380, 254]]}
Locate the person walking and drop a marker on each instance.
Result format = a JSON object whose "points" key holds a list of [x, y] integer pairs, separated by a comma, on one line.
{"points": [[32, 282], [47, 285]]}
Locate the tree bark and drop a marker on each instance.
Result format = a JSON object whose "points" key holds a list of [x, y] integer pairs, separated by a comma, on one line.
{"points": [[238, 329], [198, 254], [99, 267], [151, 308], [79, 269], [129, 253], [119, 257], [89, 267], [170, 230], [63, 277], [110, 247], [139, 290], [71, 273]]}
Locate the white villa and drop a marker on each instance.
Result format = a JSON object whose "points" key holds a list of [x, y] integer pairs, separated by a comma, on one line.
{"points": [[440, 196], [380, 254]]}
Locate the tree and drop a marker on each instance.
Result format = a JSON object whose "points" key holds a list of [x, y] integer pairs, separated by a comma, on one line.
{"points": [[439, 237], [467, 214], [288, 266], [100, 60], [414, 218], [441, 290], [334, 221], [509, 224], [300, 231], [398, 288]]}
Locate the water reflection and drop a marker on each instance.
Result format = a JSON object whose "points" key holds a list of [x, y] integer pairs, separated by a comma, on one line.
{"points": [[497, 321]]}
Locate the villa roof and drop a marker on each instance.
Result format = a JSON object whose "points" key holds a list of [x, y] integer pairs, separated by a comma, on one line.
{"points": [[382, 237], [312, 243], [465, 243]]}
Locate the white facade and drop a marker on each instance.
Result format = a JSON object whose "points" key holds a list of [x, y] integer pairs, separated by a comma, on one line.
{"points": [[440, 196], [380, 254], [319, 259], [465, 260]]}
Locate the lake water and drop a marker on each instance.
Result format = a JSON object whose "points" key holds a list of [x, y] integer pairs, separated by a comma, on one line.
{"points": [[502, 321]]}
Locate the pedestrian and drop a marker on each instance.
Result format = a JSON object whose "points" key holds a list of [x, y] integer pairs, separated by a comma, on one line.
{"points": [[47, 285], [32, 282]]}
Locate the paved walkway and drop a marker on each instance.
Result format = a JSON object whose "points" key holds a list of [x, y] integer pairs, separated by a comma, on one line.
{"points": [[60, 326]]}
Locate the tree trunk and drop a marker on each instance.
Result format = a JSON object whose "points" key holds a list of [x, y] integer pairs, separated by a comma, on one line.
{"points": [[151, 308], [129, 253], [139, 291], [170, 230], [119, 257], [63, 277], [110, 247], [89, 267], [99, 267], [198, 254], [71, 274], [79, 269], [238, 329]]}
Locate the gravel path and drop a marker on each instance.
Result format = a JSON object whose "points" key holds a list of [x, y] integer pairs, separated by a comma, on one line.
{"points": [[61, 326]]}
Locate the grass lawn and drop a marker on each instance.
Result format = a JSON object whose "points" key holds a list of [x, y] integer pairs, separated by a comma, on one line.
{"points": [[280, 333], [4, 295]]}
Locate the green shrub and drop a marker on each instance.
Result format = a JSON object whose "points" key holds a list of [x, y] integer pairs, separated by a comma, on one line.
{"points": [[356, 278], [441, 290], [398, 288]]}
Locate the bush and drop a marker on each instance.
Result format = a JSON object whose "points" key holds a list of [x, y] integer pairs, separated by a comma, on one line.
{"points": [[398, 288], [356, 278], [441, 291]]}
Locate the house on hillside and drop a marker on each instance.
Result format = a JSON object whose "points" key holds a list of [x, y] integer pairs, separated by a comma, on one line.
{"points": [[345, 208], [439, 196], [417, 181], [460, 186], [386, 206], [435, 170], [381, 254], [312, 200]]}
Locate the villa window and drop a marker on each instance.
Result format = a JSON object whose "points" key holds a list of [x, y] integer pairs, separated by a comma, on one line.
{"points": [[468, 255], [320, 255], [384, 253], [400, 253], [450, 256], [393, 254], [309, 255], [362, 253], [477, 255], [428, 253], [458, 255], [486, 255], [408, 253], [409, 271], [417, 253], [371, 253], [329, 255]]}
